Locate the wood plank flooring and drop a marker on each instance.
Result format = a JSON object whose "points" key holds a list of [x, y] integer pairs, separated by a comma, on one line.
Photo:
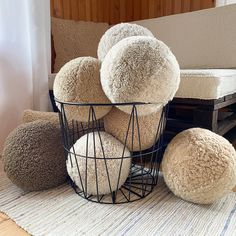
{"points": [[9, 228]]}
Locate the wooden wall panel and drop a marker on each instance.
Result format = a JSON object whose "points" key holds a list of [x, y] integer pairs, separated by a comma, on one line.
{"points": [[115, 11]]}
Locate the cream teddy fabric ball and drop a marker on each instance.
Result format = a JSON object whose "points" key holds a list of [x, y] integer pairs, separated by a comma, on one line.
{"points": [[116, 123], [140, 69], [118, 32], [79, 81], [112, 149], [199, 166]]}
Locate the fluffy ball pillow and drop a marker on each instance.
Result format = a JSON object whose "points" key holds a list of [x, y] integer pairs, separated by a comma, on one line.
{"points": [[118, 32], [199, 166], [52, 117], [116, 122], [140, 69], [33, 156], [112, 149], [30, 116], [79, 81]]}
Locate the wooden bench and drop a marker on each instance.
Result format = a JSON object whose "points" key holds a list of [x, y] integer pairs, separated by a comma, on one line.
{"points": [[217, 115]]}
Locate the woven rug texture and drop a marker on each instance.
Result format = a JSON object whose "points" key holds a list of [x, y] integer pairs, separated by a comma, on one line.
{"points": [[60, 211]]}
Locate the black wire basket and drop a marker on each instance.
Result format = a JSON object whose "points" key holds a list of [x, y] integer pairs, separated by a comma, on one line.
{"points": [[144, 167]]}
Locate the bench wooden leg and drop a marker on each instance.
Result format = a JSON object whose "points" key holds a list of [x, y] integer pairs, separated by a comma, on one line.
{"points": [[206, 118]]}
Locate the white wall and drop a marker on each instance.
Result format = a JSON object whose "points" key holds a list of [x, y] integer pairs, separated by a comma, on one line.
{"points": [[224, 2], [201, 39]]}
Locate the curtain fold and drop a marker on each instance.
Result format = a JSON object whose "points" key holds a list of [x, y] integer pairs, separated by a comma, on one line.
{"points": [[24, 60]]}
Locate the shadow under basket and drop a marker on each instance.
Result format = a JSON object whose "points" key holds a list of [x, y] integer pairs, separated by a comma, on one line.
{"points": [[144, 167]]}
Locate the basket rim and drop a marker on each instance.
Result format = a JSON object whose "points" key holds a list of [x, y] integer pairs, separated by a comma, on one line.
{"points": [[107, 104], [139, 153]]}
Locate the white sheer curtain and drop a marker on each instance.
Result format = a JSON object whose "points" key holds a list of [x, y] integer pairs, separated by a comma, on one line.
{"points": [[24, 60]]}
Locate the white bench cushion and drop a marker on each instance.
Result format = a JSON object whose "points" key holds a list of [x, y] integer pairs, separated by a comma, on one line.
{"points": [[207, 83]]}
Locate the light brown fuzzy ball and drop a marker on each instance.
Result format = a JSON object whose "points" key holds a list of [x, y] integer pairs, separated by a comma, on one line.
{"points": [[30, 116], [52, 117], [116, 123], [199, 166], [33, 156], [79, 81]]}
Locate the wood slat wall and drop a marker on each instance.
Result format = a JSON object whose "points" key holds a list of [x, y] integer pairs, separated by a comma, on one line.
{"points": [[115, 11]]}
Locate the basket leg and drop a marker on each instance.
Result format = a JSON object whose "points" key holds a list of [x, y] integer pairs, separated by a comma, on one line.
{"points": [[114, 197]]}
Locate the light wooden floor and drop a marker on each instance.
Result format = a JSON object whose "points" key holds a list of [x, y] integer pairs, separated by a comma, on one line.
{"points": [[9, 227]]}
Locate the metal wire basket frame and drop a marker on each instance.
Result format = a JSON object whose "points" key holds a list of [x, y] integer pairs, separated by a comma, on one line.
{"points": [[143, 174]]}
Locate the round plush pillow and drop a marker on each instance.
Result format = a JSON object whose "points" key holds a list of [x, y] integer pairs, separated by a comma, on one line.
{"points": [[118, 32], [79, 81], [33, 156], [30, 116], [199, 166], [112, 149], [140, 69], [116, 122]]}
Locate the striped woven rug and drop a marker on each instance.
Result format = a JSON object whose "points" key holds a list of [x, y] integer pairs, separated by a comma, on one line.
{"points": [[61, 212]]}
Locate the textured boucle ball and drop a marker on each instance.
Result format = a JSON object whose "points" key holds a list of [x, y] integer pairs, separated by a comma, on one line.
{"points": [[199, 166], [52, 117], [112, 149], [118, 32], [140, 69], [33, 156], [30, 116], [116, 122], [79, 81]]}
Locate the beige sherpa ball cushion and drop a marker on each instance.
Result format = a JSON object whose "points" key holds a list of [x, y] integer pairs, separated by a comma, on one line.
{"points": [[52, 117], [112, 149], [116, 122], [79, 81], [140, 69], [118, 32], [31, 115], [33, 156], [199, 166]]}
